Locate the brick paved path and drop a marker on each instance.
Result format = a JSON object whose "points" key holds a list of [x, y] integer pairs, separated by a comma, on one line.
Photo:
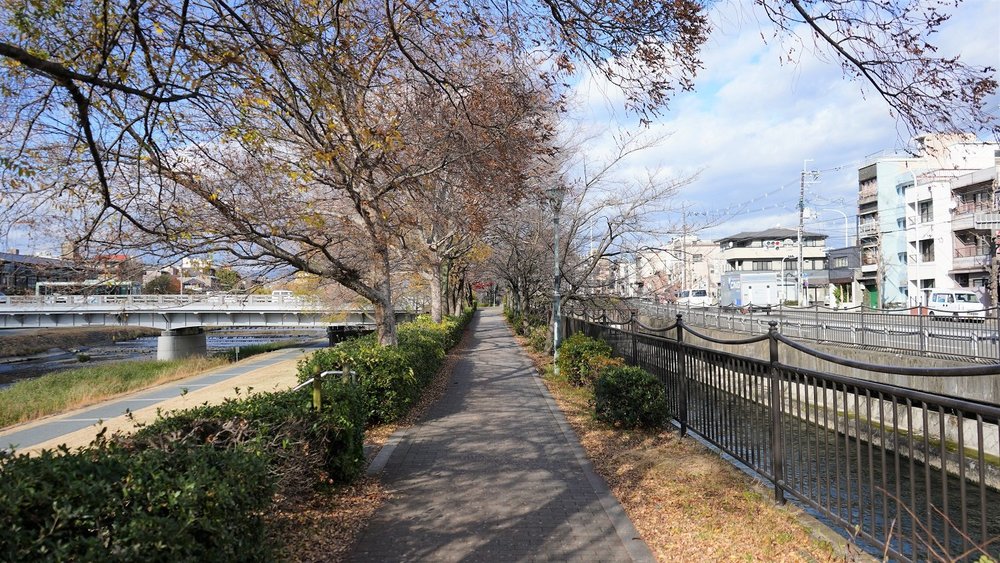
{"points": [[494, 473]]}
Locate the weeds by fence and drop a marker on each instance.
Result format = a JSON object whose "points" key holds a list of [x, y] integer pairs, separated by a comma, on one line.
{"points": [[914, 474]]}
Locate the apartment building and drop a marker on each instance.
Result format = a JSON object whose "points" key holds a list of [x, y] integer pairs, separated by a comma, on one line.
{"points": [[906, 207], [776, 250]]}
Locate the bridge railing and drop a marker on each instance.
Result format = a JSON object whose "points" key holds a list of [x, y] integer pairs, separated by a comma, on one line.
{"points": [[157, 301], [914, 331], [915, 475]]}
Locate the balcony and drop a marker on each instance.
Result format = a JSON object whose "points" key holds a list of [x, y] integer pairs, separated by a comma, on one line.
{"points": [[867, 229], [867, 195], [968, 258]]}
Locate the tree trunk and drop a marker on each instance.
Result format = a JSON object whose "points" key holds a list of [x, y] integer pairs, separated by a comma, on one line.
{"points": [[435, 288], [385, 314]]}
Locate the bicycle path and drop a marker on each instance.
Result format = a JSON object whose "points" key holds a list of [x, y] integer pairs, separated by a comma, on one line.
{"points": [[494, 473], [275, 370]]}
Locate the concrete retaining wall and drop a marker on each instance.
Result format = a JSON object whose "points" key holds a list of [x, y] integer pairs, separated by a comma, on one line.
{"points": [[981, 388]]}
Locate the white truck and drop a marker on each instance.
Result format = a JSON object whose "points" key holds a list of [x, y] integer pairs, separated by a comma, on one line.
{"points": [[757, 290]]}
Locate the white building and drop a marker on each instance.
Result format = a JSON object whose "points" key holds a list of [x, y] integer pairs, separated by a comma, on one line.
{"points": [[944, 248]]}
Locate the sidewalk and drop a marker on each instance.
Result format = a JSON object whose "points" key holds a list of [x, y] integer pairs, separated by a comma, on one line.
{"points": [[494, 473], [268, 372]]}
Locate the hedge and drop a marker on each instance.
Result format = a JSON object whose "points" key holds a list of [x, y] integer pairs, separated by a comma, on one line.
{"points": [[581, 358], [302, 446], [390, 379], [110, 503], [630, 397]]}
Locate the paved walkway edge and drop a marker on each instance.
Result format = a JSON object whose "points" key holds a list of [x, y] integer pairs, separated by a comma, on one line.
{"points": [[637, 549], [636, 546]]}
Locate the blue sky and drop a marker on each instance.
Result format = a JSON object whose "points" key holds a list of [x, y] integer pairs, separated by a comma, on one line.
{"points": [[754, 119]]}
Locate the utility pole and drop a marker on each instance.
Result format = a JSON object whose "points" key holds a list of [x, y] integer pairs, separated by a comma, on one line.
{"points": [[995, 239], [684, 254], [802, 213]]}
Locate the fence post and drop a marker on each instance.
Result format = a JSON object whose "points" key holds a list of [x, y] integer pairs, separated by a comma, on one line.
{"points": [[777, 438], [682, 416], [816, 316], [923, 333], [317, 389], [634, 322]]}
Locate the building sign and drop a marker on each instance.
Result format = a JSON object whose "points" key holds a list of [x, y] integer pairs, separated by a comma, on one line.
{"points": [[774, 244]]}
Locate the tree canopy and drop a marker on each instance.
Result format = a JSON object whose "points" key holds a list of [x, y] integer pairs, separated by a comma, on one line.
{"points": [[352, 140]]}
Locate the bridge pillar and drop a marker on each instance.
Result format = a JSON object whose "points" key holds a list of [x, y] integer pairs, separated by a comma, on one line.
{"points": [[180, 343]]}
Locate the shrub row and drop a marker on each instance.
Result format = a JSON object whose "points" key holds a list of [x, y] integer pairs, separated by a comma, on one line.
{"points": [[581, 359], [110, 503], [623, 396], [193, 486], [390, 379]]}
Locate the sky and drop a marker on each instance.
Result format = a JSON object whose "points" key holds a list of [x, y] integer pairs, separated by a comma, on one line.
{"points": [[753, 121]]}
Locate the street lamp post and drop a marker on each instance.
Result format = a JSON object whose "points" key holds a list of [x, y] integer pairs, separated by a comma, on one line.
{"points": [[556, 195]]}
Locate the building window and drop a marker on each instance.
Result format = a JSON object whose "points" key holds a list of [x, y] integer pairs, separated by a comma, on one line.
{"points": [[926, 284], [926, 211], [978, 282], [927, 250], [761, 265], [696, 258], [840, 262], [902, 258]]}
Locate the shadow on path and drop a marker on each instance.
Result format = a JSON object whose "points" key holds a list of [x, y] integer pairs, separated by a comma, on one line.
{"points": [[493, 473]]}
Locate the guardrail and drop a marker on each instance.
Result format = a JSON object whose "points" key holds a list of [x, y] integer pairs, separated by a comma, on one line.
{"points": [[917, 331], [154, 300], [915, 475]]}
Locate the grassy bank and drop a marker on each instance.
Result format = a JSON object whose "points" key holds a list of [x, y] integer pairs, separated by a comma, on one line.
{"points": [[42, 340], [67, 390]]}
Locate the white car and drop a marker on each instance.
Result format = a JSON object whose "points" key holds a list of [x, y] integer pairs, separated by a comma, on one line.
{"points": [[694, 297], [955, 304]]}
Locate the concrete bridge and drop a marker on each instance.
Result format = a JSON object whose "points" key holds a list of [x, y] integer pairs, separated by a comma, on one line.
{"points": [[182, 318]]}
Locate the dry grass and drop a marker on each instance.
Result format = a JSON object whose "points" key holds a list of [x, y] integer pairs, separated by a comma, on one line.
{"points": [[62, 391], [687, 502]]}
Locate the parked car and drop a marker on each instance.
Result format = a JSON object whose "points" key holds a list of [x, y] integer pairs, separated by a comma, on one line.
{"points": [[694, 297], [955, 304]]}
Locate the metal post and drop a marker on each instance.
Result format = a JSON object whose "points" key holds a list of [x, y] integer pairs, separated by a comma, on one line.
{"points": [[923, 332], [634, 321], [556, 204], [682, 416], [317, 389], [777, 437]]}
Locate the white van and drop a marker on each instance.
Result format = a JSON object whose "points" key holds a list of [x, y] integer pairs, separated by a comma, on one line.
{"points": [[694, 297], [954, 303]]}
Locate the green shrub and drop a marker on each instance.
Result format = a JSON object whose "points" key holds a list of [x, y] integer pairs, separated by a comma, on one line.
{"points": [[538, 338], [112, 504], [630, 397], [391, 379], [576, 354], [303, 447]]}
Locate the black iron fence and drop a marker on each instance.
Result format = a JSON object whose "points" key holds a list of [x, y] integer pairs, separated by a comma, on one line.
{"points": [[917, 330], [913, 474]]}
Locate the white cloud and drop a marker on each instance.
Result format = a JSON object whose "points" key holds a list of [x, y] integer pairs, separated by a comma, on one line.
{"points": [[753, 120]]}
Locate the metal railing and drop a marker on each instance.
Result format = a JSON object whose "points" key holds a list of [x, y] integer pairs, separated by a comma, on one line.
{"points": [[919, 331], [914, 475]]}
